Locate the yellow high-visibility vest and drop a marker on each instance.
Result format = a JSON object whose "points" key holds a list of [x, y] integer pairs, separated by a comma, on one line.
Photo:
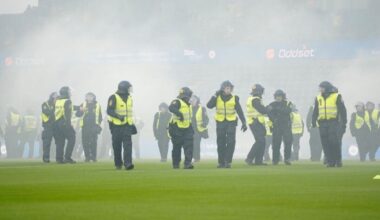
{"points": [[252, 112], [225, 110], [375, 117], [60, 109], [268, 126], [123, 109], [199, 119], [15, 119], [45, 118], [360, 120], [85, 112], [30, 122], [327, 107], [297, 127], [186, 111]]}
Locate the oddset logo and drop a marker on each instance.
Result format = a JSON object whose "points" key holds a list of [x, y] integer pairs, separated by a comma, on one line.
{"points": [[297, 53]]}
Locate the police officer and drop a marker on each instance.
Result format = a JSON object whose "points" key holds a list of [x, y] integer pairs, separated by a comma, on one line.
{"points": [[63, 130], [297, 131], [331, 114], [12, 133], [315, 138], [360, 127], [29, 132], [279, 113], [160, 130], [374, 137], [180, 128], [90, 114], [120, 112], [47, 117], [256, 112], [200, 121], [227, 108]]}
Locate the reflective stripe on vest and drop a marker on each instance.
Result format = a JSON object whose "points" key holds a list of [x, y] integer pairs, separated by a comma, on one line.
{"points": [[225, 110], [123, 109], [252, 112], [360, 120], [85, 112], [186, 111], [296, 123], [327, 107], [199, 119], [60, 109]]}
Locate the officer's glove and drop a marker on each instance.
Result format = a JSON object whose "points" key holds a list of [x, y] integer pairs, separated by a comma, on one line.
{"points": [[180, 117], [217, 93], [121, 117], [244, 127]]}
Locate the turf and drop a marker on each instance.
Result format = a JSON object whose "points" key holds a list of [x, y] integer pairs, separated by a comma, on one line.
{"points": [[31, 190]]}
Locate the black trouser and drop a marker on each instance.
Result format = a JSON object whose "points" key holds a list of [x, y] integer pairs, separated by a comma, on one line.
{"points": [[163, 146], [258, 148], [331, 141], [28, 137], [121, 141], [374, 137], [89, 143], [11, 137], [61, 134], [296, 146], [197, 146], [315, 145], [282, 133], [364, 145], [47, 137], [226, 139], [181, 138], [268, 143]]}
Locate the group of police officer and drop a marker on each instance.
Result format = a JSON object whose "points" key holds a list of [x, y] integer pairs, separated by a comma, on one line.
{"points": [[185, 122], [280, 118], [57, 114], [364, 126]]}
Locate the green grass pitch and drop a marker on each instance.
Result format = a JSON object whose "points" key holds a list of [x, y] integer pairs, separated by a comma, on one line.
{"points": [[32, 190]]}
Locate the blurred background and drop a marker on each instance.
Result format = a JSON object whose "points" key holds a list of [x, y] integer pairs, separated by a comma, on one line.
{"points": [[162, 45]]}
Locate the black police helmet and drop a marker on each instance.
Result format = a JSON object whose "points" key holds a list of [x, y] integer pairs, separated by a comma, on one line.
{"points": [[225, 84], [279, 92], [257, 89], [123, 87]]}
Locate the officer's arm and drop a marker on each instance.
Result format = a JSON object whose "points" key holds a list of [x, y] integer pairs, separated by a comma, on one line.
{"points": [[239, 110], [68, 108], [315, 114], [309, 118], [45, 109], [259, 107], [155, 124], [206, 120], [342, 111], [111, 107], [352, 125], [100, 115], [174, 108], [80, 112], [212, 102]]}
